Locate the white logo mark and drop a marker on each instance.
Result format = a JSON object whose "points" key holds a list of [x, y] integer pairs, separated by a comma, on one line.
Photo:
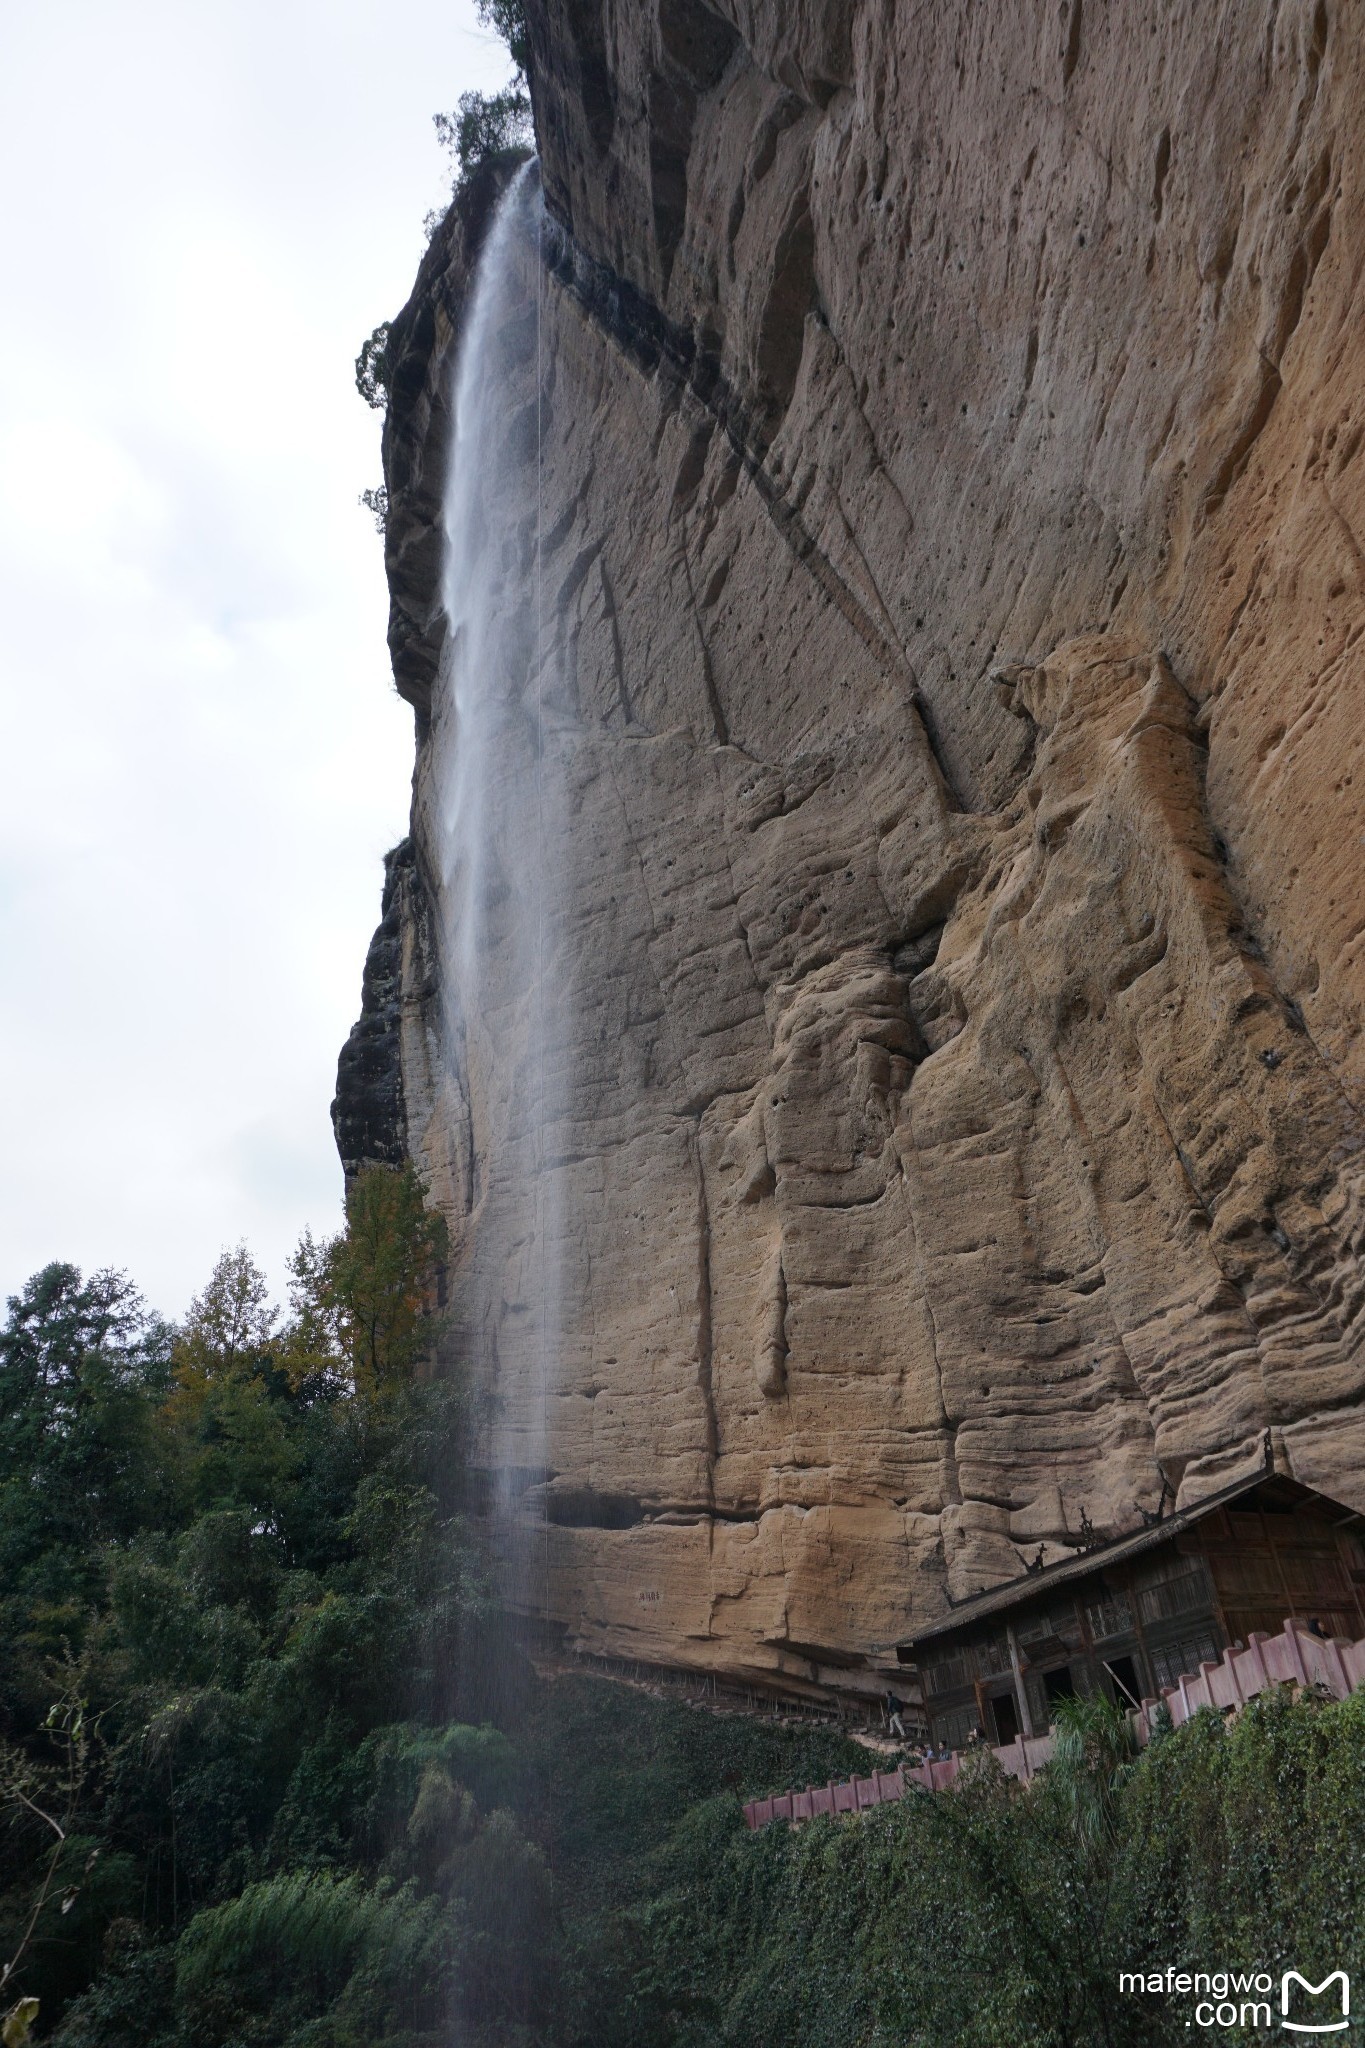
{"points": [[1314, 1991]]}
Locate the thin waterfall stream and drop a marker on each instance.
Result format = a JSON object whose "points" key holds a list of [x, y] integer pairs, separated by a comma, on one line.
{"points": [[496, 793]]}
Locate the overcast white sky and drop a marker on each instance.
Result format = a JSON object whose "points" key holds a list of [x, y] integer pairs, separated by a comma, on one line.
{"points": [[208, 205]]}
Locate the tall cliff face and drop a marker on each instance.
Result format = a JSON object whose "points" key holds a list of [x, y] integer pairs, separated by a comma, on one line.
{"points": [[944, 426]]}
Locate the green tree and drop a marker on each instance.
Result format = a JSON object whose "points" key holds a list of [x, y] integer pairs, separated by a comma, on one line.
{"points": [[82, 1366], [363, 1301], [231, 1325], [375, 499], [228, 1425], [507, 18], [372, 368], [483, 126]]}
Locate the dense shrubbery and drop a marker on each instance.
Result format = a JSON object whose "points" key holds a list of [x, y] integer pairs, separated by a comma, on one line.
{"points": [[994, 1917], [271, 1774], [235, 1593], [250, 1785]]}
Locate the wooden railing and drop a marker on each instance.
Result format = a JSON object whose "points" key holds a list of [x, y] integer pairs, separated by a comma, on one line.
{"points": [[1294, 1657]]}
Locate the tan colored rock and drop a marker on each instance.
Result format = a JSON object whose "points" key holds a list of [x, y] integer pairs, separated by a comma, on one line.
{"points": [[950, 506]]}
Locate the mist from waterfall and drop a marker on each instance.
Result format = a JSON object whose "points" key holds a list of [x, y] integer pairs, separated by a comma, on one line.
{"points": [[495, 796]]}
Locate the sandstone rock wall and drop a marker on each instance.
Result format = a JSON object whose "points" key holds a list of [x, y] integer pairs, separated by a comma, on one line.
{"points": [[943, 428]]}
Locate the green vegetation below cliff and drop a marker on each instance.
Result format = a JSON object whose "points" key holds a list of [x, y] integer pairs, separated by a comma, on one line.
{"points": [[271, 1767], [274, 1772]]}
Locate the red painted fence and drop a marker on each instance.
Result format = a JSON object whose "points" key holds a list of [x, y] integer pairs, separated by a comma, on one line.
{"points": [[1294, 1657]]}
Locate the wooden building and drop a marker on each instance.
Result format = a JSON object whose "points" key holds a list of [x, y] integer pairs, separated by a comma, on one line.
{"points": [[1127, 1618]]}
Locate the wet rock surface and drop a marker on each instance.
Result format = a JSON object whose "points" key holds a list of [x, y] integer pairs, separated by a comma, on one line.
{"points": [[940, 437]]}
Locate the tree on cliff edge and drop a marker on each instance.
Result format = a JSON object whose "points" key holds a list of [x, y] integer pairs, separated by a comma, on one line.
{"points": [[362, 1300], [482, 126]]}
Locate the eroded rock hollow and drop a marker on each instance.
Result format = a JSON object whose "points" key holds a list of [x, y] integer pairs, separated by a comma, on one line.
{"points": [[940, 428]]}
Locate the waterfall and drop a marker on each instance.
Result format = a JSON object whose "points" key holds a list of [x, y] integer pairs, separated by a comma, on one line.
{"points": [[473, 582], [493, 808]]}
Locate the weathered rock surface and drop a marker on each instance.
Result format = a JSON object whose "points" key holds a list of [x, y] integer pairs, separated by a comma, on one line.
{"points": [[945, 480], [367, 1114]]}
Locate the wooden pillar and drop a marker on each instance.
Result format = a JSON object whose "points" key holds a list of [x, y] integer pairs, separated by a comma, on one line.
{"points": [[1291, 1612], [1020, 1689], [1150, 1684], [1210, 1564], [1092, 1662]]}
